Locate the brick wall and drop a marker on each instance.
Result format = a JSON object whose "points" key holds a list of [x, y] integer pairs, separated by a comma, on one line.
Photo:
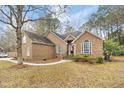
{"points": [[41, 51], [58, 41], [97, 44], [25, 47]]}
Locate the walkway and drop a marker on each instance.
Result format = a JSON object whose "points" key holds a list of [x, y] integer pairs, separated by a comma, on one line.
{"points": [[33, 64]]}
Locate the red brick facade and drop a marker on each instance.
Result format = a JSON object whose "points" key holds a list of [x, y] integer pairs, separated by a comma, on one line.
{"points": [[39, 51]]}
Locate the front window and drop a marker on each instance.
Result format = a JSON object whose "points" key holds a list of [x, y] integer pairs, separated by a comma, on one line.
{"points": [[87, 47], [59, 49]]}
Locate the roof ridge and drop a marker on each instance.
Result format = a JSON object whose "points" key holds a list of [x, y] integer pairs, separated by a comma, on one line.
{"points": [[38, 37], [34, 32], [75, 34], [89, 33]]}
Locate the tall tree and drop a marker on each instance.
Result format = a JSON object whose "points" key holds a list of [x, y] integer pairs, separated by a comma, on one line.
{"points": [[8, 39], [107, 20], [69, 29], [44, 26], [17, 15]]}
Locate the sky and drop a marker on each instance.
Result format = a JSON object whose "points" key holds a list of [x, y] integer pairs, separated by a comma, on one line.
{"points": [[78, 14]]}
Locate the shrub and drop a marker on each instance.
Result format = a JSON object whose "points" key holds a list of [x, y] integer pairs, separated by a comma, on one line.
{"points": [[69, 57], [100, 60], [92, 62], [81, 58], [85, 55], [77, 57], [86, 58]]}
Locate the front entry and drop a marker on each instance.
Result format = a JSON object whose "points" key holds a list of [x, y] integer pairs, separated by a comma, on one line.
{"points": [[70, 48]]}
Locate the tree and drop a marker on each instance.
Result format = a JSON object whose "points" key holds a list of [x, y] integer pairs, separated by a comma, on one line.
{"points": [[8, 39], [17, 15], [44, 26], [112, 48], [69, 29], [107, 20]]}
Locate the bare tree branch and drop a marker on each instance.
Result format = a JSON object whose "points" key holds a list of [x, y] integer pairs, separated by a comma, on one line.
{"points": [[5, 14], [26, 13], [7, 23], [20, 14], [9, 17], [12, 11], [29, 20]]}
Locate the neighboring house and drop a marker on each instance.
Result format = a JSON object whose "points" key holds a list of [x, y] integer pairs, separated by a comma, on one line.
{"points": [[38, 47], [2, 53]]}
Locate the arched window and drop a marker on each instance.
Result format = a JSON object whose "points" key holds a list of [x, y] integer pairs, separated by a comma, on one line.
{"points": [[87, 47]]}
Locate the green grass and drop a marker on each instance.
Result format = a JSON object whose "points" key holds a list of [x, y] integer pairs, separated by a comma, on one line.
{"points": [[72, 74]]}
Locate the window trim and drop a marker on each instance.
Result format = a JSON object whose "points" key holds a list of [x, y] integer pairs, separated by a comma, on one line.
{"points": [[82, 47], [59, 49]]}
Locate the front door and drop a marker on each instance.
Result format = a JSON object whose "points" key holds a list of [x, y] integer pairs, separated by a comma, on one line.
{"points": [[71, 49]]}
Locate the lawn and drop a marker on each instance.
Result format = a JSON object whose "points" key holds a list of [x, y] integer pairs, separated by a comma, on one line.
{"points": [[71, 74]]}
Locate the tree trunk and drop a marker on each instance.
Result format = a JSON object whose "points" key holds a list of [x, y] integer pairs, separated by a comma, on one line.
{"points": [[19, 34], [118, 32], [19, 46], [111, 31]]}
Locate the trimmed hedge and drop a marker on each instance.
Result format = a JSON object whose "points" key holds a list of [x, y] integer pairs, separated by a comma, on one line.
{"points": [[100, 60], [81, 58], [86, 58]]}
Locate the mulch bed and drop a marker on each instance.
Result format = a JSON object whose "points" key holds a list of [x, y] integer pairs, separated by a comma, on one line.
{"points": [[46, 61], [19, 66], [43, 61]]}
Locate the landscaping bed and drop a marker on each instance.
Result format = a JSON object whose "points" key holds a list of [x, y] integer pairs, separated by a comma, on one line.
{"points": [[46, 61], [43, 61], [86, 58]]}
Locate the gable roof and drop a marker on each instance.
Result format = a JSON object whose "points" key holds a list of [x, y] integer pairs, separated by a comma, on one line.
{"points": [[89, 33], [63, 36], [36, 38], [70, 36], [75, 34], [58, 36]]}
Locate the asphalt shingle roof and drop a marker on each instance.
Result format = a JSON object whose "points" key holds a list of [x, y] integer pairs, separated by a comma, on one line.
{"points": [[63, 36], [38, 38]]}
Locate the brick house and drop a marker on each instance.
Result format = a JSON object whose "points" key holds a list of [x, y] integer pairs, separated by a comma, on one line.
{"points": [[38, 47]]}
